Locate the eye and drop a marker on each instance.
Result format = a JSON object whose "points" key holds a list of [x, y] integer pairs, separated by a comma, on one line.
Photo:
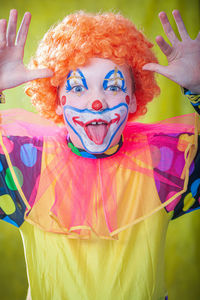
{"points": [[113, 88], [78, 89]]}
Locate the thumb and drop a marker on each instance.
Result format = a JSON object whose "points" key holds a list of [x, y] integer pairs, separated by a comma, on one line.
{"points": [[39, 73], [163, 70]]}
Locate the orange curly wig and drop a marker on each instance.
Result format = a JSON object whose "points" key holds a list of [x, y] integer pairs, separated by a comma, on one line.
{"points": [[78, 38]]}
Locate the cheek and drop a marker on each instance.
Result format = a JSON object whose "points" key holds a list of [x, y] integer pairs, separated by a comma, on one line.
{"points": [[127, 99], [63, 100]]}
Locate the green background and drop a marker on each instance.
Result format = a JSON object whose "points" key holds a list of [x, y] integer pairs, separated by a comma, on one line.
{"points": [[182, 252]]}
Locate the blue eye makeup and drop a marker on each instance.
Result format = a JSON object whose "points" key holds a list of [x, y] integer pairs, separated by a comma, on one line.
{"points": [[113, 88], [76, 81], [114, 81], [78, 88]]}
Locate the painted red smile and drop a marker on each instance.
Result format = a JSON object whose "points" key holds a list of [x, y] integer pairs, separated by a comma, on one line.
{"points": [[96, 129]]}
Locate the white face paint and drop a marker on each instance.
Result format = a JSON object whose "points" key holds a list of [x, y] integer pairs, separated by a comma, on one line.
{"points": [[96, 130], [95, 102]]}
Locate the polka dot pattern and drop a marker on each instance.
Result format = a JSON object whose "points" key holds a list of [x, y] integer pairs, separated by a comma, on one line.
{"points": [[25, 156], [184, 139], [9, 179], [156, 155], [8, 144], [7, 204], [166, 159], [28, 155], [168, 162], [195, 186], [190, 198], [1, 167], [188, 201]]}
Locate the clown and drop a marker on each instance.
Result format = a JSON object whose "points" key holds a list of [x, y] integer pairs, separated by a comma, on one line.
{"points": [[93, 197], [97, 124]]}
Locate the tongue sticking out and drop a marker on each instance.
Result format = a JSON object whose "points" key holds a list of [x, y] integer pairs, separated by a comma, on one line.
{"points": [[96, 133]]}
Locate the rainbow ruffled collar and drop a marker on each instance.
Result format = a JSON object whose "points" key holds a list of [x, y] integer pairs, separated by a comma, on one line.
{"points": [[81, 152]]}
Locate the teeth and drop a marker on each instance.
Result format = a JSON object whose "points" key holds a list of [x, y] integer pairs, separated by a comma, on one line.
{"points": [[97, 123]]}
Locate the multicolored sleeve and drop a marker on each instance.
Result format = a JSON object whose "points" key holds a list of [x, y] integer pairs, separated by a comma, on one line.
{"points": [[190, 200], [194, 99], [20, 157]]}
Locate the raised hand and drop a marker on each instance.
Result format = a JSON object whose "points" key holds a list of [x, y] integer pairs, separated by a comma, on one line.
{"points": [[12, 70], [183, 56]]}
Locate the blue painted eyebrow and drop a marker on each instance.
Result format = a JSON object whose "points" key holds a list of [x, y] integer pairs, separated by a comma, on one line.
{"points": [[71, 76], [118, 76]]}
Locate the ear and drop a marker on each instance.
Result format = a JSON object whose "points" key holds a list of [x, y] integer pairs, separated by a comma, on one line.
{"points": [[59, 111], [133, 104]]}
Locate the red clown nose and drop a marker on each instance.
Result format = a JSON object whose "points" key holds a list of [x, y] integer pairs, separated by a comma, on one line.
{"points": [[97, 105]]}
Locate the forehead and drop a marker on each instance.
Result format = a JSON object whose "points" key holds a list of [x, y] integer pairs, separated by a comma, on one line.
{"points": [[97, 68]]}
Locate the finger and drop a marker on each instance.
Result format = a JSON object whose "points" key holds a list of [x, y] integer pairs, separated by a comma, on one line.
{"points": [[167, 28], [38, 73], [164, 46], [150, 67], [3, 26], [180, 25], [163, 70], [23, 30], [12, 25]]}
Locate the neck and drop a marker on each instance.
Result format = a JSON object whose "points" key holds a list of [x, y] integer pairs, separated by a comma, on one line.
{"points": [[81, 152]]}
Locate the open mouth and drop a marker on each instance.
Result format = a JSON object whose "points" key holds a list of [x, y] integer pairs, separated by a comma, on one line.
{"points": [[96, 129]]}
